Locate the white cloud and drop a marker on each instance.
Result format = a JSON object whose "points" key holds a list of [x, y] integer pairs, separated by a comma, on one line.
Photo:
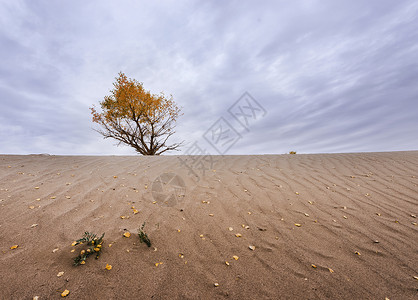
{"points": [[333, 76]]}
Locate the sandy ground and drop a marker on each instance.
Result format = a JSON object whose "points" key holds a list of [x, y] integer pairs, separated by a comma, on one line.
{"points": [[324, 226]]}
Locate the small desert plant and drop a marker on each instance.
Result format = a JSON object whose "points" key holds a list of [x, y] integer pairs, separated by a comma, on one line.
{"points": [[292, 152], [143, 237], [94, 245]]}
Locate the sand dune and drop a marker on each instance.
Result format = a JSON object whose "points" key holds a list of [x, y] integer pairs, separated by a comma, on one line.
{"points": [[325, 226]]}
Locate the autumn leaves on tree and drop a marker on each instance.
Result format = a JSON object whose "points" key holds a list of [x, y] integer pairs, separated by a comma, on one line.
{"points": [[135, 117]]}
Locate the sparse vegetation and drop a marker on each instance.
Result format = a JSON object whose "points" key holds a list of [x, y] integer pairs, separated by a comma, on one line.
{"points": [[143, 237], [135, 117], [292, 152], [94, 246]]}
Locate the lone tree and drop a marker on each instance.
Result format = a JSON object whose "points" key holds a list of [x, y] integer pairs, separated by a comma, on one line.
{"points": [[136, 117]]}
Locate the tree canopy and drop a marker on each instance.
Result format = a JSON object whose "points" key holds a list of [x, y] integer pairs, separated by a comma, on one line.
{"points": [[135, 117]]}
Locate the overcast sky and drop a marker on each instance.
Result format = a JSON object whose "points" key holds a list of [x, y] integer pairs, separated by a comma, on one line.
{"points": [[326, 75]]}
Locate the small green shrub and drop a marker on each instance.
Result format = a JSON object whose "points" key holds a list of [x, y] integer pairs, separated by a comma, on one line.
{"points": [[94, 246], [143, 237]]}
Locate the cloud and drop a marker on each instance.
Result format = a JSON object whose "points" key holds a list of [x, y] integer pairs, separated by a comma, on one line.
{"points": [[334, 76]]}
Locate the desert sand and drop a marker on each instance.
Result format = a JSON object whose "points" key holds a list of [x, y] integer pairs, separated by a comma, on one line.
{"points": [[320, 226]]}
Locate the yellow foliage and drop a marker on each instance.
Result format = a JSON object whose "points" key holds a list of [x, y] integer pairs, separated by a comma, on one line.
{"points": [[134, 116]]}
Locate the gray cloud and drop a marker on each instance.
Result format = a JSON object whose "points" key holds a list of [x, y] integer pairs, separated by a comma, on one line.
{"points": [[334, 76]]}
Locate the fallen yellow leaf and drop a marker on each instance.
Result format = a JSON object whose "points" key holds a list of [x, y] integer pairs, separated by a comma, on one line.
{"points": [[235, 257], [238, 235], [251, 247], [74, 243], [83, 262], [127, 234], [108, 267], [331, 270], [60, 274], [135, 211], [14, 247], [65, 293], [226, 263], [216, 284], [313, 266], [298, 225]]}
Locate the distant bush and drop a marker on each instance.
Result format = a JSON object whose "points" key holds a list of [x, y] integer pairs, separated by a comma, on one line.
{"points": [[292, 152]]}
